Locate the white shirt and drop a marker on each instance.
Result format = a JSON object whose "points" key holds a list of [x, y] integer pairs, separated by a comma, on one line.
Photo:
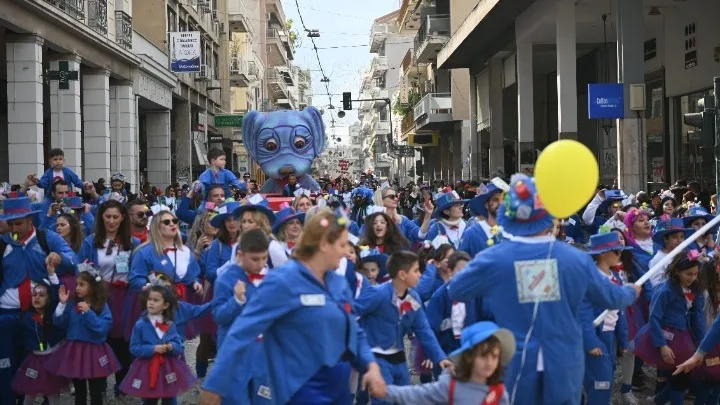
{"points": [[278, 254], [610, 320], [183, 258], [159, 319], [658, 276]]}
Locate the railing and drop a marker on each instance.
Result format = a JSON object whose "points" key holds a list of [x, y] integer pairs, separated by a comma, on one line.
{"points": [[408, 123], [238, 65], [379, 63], [272, 32], [252, 68], [73, 8], [236, 7], [97, 16], [433, 103], [380, 29], [123, 29], [277, 80], [433, 26]]}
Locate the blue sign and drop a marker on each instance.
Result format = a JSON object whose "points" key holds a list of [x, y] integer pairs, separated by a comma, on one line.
{"points": [[606, 100]]}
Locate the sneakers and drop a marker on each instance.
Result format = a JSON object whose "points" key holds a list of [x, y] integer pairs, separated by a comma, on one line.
{"points": [[628, 399]]}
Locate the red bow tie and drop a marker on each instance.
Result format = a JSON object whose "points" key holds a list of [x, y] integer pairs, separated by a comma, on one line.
{"points": [[56, 178], [77, 309], [256, 277], [454, 227], [291, 245], [163, 326], [381, 248], [347, 307], [405, 307], [172, 249], [616, 281], [181, 291], [37, 318], [690, 296]]}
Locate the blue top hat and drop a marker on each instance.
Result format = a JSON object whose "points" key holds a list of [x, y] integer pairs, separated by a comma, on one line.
{"points": [[284, 216], [375, 256], [445, 201], [522, 212], [605, 242], [223, 212], [602, 209], [256, 202], [696, 212], [14, 208], [667, 227], [481, 331], [75, 203], [477, 204]]}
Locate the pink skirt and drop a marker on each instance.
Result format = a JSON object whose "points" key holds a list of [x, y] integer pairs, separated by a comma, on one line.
{"points": [[204, 324], [420, 358], [635, 320], [680, 341], [83, 360], [710, 368], [174, 379], [116, 301], [33, 379]]}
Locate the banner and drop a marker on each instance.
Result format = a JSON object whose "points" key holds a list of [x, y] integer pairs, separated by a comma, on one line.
{"points": [[185, 52]]}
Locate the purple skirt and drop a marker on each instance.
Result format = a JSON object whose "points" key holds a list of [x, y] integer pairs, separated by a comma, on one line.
{"points": [[635, 320], [69, 280], [174, 379], [116, 301], [680, 341], [33, 379], [710, 368], [204, 324], [420, 357], [83, 360]]}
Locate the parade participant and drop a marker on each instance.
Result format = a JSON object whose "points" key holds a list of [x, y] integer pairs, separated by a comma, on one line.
{"points": [[436, 271], [601, 344], [228, 234], [602, 208], [110, 248], [362, 199], [668, 235], [40, 339], [138, 212], [406, 227], [638, 235], [381, 232], [255, 213], [372, 264], [235, 288], [69, 228], [217, 174], [56, 172], [158, 371], [677, 319], [302, 202], [26, 254], [392, 310], [508, 277], [336, 202], [214, 194], [485, 231], [117, 190], [308, 304], [291, 186], [287, 229], [66, 202], [449, 225], [84, 357], [485, 350], [695, 218]]}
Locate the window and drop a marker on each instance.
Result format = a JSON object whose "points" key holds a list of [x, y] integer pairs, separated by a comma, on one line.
{"points": [[171, 20], [216, 65], [695, 161], [182, 26]]}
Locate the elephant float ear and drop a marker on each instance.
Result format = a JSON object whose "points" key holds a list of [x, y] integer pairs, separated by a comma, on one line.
{"points": [[251, 121], [317, 127]]}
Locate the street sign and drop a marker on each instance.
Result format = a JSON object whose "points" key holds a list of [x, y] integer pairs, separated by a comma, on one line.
{"points": [[63, 75], [214, 138], [229, 121], [606, 100]]}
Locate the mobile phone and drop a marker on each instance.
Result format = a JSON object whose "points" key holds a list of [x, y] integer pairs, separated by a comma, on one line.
{"points": [[613, 194]]}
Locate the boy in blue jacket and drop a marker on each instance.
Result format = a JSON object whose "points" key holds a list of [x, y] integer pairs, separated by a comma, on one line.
{"points": [[218, 174], [233, 289], [392, 310], [57, 171]]}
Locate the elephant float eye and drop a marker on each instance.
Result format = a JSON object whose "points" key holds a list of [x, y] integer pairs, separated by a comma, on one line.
{"points": [[270, 145], [299, 142]]}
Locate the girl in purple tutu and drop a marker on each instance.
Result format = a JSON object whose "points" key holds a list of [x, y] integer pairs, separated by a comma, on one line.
{"points": [[158, 371], [85, 357], [676, 322], [40, 339]]}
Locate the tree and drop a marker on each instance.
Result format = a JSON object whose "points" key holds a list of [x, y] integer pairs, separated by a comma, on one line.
{"points": [[292, 34]]}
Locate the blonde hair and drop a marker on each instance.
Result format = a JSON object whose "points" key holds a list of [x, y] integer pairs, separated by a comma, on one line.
{"points": [[297, 199], [154, 236], [314, 232], [282, 234], [198, 227], [260, 219]]}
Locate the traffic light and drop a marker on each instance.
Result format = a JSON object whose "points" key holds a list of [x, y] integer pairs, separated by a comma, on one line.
{"points": [[704, 122], [347, 104]]}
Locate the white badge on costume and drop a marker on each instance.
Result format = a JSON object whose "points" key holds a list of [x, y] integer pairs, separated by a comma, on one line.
{"points": [[137, 383], [171, 378], [31, 373], [602, 385], [264, 392], [103, 360], [537, 280], [4, 363], [122, 263], [313, 300]]}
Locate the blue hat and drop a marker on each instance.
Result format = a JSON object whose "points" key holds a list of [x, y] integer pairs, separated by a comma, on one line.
{"points": [[477, 204], [284, 216], [522, 212], [256, 202], [223, 212], [696, 212], [14, 208], [481, 331], [445, 201], [74, 203], [375, 256], [669, 226], [604, 206], [605, 242]]}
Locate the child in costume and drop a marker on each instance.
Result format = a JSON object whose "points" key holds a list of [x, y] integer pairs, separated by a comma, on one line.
{"points": [[218, 174], [158, 372], [85, 357], [485, 350]]}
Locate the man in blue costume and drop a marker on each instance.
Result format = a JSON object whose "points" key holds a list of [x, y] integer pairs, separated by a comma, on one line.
{"points": [[535, 286]]}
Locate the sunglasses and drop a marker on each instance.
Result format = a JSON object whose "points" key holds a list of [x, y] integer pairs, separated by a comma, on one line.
{"points": [[109, 249], [391, 196], [140, 214], [167, 222]]}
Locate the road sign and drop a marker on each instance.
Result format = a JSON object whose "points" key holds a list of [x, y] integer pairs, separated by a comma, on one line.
{"points": [[228, 121]]}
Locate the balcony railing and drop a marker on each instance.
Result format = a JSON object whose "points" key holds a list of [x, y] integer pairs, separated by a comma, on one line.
{"points": [[433, 103], [253, 69], [73, 8], [379, 64], [123, 29], [273, 32], [97, 16], [238, 65], [433, 26], [408, 123]]}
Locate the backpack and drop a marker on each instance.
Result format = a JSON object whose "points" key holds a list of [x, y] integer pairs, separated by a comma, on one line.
{"points": [[42, 241]]}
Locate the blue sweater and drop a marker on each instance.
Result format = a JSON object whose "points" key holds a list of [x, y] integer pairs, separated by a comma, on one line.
{"points": [[144, 338], [669, 309], [47, 180], [89, 327]]}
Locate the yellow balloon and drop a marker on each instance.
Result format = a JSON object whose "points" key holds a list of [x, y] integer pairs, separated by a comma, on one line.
{"points": [[566, 176]]}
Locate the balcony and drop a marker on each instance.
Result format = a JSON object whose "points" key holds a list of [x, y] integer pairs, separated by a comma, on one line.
{"points": [[237, 17], [278, 87], [285, 103], [73, 8], [407, 125], [123, 29], [433, 109], [275, 11], [378, 33], [277, 54], [98, 17], [380, 96], [432, 36], [382, 127], [239, 72], [253, 70], [287, 74], [379, 66]]}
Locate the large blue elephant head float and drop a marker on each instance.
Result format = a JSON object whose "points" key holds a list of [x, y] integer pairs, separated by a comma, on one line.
{"points": [[283, 143]]}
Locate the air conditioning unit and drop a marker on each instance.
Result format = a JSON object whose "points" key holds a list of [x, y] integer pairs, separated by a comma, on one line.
{"points": [[223, 28], [215, 15]]}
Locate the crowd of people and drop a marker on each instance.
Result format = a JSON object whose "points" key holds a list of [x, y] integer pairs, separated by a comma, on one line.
{"points": [[314, 303]]}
